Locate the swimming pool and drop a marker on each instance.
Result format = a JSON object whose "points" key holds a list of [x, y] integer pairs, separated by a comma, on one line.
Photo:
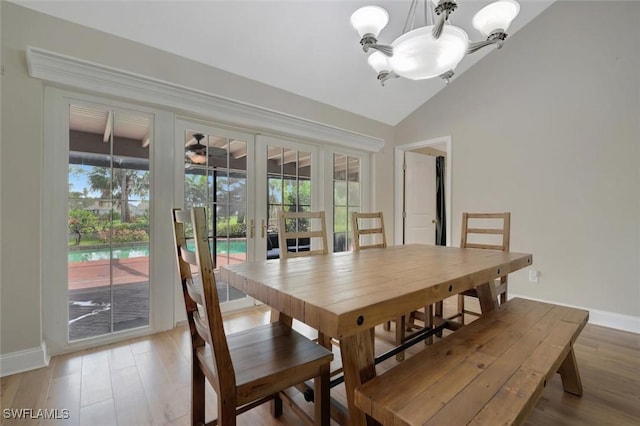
{"points": [[89, 255]]}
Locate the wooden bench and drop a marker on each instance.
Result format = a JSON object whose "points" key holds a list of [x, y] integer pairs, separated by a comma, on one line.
{"points": [[492, 371]]}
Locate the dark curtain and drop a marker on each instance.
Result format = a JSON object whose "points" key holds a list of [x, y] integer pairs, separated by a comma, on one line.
{"points": [[441, 216]]}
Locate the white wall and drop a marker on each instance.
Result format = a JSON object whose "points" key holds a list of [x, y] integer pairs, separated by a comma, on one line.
{"points": [[548, 128], [22, 274]]}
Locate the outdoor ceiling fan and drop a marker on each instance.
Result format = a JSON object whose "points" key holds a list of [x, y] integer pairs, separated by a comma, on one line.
{"points": [[197, 152]]}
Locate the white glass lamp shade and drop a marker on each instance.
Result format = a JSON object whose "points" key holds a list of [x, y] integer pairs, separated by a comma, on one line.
{"points": [[496, 16], [417, 55], [378, 61], [369, 20]]}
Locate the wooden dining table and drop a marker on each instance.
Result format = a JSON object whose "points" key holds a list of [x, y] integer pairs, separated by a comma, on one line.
{"points": [[344, 295]]}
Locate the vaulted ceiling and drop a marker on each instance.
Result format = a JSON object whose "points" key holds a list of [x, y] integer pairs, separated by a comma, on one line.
{"points": [[305, 47]]}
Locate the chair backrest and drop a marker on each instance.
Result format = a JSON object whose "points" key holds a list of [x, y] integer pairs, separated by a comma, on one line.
{"points": [[359, 230], [485, 224], [201, 299], [297, 226]]}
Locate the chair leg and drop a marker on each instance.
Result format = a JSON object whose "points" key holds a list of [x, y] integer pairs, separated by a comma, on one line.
{"points": [[322, 409], [197, 394], [276, 406], [400, 325], [410, 323], [226, 412], [387, 326], [439, 313], [461, 308], [428, 322]]}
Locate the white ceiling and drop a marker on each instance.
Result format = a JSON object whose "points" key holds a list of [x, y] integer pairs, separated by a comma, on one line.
{"points": [[305, 47]]}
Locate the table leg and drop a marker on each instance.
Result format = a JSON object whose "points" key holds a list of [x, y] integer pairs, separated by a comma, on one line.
{"points": [[358, 364], [277, 316], [488, 297]]}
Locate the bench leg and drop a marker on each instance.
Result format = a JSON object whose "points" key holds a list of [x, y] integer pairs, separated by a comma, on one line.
{"points": [[570, 375]]}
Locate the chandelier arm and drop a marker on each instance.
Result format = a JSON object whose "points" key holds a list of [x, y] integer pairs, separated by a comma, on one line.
{"points": [[383, 48], [446, 76], [443, 10], [439, 26], [497, 37], [383, 76], [477, 45], [368, 41]]}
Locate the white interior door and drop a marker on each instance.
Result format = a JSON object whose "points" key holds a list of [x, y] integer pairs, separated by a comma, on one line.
{"points": [[419, 198]]}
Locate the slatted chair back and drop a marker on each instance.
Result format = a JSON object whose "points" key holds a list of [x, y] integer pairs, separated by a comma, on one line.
{"points": [[489, 231], [298, 226], [268, 359], [201, 299], [359, 230], [484, 224]]}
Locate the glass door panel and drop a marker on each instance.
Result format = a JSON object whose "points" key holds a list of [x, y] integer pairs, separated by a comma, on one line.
{"points": [[288, 169], [216, 177], [289, 175], [346, 199], [108, 216]]}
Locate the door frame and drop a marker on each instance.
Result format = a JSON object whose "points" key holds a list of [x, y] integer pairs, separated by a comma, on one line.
{"points": [[54, 288], [399, 183]]}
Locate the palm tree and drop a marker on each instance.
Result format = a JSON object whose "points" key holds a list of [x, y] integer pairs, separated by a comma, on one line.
{"points": [[119, 184]]}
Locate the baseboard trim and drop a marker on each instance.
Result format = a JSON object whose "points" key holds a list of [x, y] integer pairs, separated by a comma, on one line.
{"points": [[598, 317], [28, 359]]}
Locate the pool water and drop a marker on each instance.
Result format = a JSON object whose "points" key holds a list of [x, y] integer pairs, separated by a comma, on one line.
{"points": [[143, 251]]}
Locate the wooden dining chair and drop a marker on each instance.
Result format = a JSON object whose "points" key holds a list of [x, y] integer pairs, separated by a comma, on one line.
{"points": [[297, 227], [375, 229], [247, 368], [487, 231]]}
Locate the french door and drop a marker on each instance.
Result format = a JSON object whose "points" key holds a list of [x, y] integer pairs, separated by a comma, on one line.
{"points": [[218, 173], [244, 181], [288, 180], [108, 217], [103, 249]]}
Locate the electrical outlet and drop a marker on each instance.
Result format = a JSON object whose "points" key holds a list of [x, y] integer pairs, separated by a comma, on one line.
{"points": [[534, 276]]}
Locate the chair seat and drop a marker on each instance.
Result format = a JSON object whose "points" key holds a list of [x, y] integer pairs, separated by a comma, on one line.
{"points": [[264, 357]]}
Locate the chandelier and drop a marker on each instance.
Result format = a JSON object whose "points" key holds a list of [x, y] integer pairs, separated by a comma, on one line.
{"points": [[432, 50]]}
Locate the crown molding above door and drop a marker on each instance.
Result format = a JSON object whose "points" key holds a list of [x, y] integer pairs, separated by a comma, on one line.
{"points": [[80, 74]]}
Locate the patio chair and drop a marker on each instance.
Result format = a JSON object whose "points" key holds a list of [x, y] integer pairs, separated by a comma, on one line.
{"points": [[247, 368]]}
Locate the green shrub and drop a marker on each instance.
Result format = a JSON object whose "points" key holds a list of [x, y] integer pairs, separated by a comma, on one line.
{"points": [[235, 229]]}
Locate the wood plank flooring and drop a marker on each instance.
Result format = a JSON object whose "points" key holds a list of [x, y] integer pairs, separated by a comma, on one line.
{"points": [[145, 381]]}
